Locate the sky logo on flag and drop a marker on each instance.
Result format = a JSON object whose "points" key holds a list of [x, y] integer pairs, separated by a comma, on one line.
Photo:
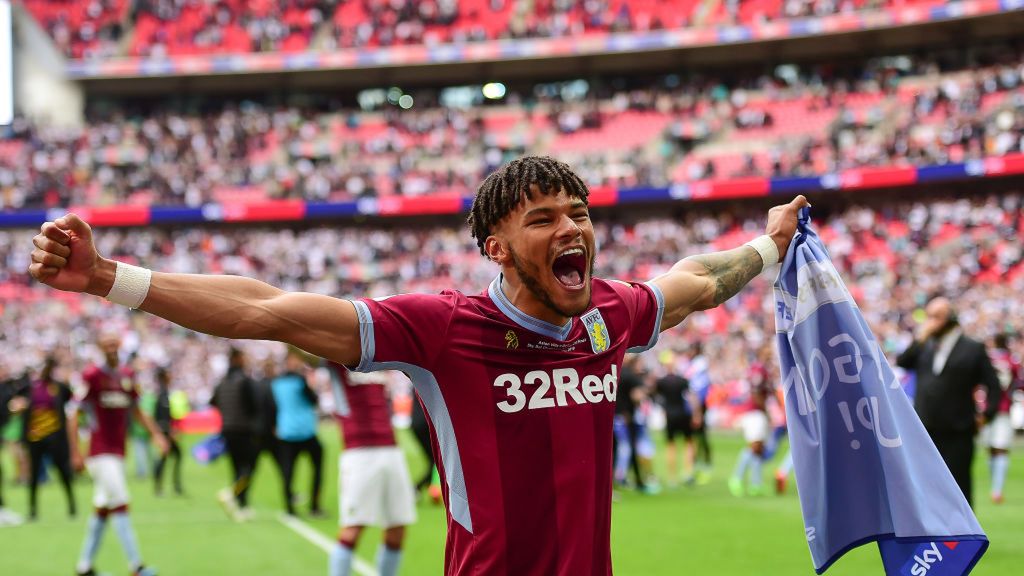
{"points": [[921, 562]]}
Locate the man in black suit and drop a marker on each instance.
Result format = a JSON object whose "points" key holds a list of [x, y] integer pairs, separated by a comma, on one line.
{"points": [[949, 366]]}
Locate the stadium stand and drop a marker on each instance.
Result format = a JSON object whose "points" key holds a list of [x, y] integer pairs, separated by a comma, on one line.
{"points": [[657, 134], [83, 30], [100, 29]]}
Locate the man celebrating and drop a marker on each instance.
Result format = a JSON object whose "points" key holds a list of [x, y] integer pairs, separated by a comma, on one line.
{"points": [[110, 396], [518, 382]]}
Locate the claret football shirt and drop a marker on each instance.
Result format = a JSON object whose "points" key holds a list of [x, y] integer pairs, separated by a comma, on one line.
{"points": [[521, 415], [362, 408], [111, 394]]}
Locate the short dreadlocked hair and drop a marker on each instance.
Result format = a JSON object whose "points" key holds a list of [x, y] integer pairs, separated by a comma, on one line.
{"points": [[508, 187]]}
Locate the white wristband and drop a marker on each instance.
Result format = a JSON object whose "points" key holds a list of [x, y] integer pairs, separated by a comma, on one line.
{"points": [[131, 285], [768, 250]]}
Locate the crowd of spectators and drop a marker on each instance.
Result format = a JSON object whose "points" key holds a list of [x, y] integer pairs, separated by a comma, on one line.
{"points": [[180, 27], [894, 255], [924, 115], [89, 30], [97, 29], [621, 133], [759, 11]]}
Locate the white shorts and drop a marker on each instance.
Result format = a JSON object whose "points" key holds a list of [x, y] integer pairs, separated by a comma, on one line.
{"points": [[755, 426], [375, 488], [999, 432], [110, 488]]}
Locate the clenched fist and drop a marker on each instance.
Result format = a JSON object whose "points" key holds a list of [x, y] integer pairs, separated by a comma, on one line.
{"points": [[65, 257], [782, 222]]}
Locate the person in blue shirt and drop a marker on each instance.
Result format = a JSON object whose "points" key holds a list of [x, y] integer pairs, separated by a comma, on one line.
{"points": [[295, 428]]}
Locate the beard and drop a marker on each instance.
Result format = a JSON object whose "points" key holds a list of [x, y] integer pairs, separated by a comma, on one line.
{"points": [[532, 283]]}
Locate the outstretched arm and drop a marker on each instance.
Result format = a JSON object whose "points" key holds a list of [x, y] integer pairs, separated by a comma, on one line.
{"points": [[706, 280], [65, 258], [237, 307]]}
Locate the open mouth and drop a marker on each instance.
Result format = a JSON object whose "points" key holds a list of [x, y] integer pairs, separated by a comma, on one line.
{"points": [[570, 268]]}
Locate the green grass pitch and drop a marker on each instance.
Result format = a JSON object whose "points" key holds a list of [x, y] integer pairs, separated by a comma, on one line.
{"points": [[700, 531]]}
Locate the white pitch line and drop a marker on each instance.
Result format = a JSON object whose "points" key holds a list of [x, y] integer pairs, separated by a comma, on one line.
{"points": [[322, 542]]}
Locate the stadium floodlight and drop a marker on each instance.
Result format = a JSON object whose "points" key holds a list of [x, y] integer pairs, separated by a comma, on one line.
{"points": [[371, 99], [494, 90], [405, 102]]}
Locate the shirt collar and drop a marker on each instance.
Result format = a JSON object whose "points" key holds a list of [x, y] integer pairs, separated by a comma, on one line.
{"points": [[523, 319]]}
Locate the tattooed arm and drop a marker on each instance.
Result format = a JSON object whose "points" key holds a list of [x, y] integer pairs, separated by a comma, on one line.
{"points": [[706, 280]]}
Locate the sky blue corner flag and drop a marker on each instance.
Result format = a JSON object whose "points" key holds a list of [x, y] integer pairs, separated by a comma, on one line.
{"points": [[866, 470]]}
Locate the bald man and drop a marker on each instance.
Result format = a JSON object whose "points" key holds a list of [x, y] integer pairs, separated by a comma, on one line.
{"points": [[949, 366]]}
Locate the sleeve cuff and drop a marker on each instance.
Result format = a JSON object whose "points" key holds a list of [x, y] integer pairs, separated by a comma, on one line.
{"points": [[656, 332]]}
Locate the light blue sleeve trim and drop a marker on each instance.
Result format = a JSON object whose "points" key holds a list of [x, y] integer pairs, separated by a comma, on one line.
{"points": [[451, 459], [367, 347], [657, 321]]}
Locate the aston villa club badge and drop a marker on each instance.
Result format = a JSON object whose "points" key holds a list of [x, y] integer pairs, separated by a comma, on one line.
{"points": [[597, 331]]}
